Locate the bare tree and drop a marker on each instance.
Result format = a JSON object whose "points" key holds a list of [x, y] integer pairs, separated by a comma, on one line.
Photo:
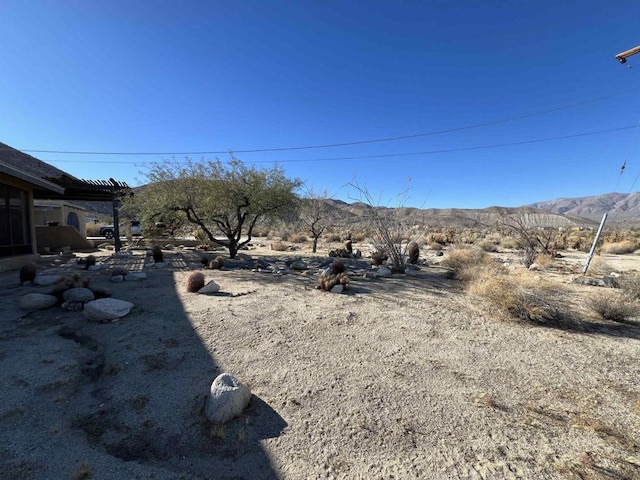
{"points": [[391, 235], [314, 213]]}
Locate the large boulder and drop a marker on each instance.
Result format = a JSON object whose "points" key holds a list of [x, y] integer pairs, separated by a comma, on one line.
{"points": [[105, 309], [78, 294], [227, 398], [37, 301], [47, 280]]}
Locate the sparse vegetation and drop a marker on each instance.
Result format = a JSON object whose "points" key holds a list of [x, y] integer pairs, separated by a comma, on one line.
{"points": [[614, 306], [83, 471], [465, 262], [620, 248], [630, 285]]}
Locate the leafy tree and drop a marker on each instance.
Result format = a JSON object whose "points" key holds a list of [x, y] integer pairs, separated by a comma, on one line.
{"points": [[220, 198]]}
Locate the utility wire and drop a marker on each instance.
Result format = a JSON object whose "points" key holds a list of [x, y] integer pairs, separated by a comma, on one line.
{"points": [[388, 155], [345, 144]]}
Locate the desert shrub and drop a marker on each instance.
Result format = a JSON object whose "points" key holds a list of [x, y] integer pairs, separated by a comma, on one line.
{"points": [[488, 245], [509, 243], [464, 260], [544, 260], [194, 281], [624, 247], [518, 297], [278, 246], [413, 251], [93, 229], [298, 238], [333, 237], [358, 236], [630, 285], [613, 306]]}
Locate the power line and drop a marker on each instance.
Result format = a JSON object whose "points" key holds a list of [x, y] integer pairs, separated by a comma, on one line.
{"points": [[388, 155], [345, 144]]}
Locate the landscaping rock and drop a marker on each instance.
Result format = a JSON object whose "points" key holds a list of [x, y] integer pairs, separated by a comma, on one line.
{"points": [[106, 309], [78, 295], [210, 287], [116, 278], [95, 267], [227, 398], [383, 272], [135, 276], [299, 265], [337, 289], [160, 265], [47, 280], [37, 301]]}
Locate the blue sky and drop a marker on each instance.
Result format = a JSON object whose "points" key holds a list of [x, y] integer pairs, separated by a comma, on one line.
{"points": [[209, 76]]}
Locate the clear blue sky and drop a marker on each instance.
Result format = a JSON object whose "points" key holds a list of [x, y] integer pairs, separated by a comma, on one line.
{"points": [[192, 76]]}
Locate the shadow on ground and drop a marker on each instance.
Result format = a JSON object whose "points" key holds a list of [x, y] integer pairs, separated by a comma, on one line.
{"points": [[123, 399]]}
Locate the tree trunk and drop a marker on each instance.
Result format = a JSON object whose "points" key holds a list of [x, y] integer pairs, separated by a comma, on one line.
{"points": [[315, 244]]}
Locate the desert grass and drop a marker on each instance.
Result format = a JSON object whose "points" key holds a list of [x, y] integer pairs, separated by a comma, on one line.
{"points": [[630, 285], [278, 246], [83, 471], [466, 262], [624, 247], [519, 296], [614, 306]]}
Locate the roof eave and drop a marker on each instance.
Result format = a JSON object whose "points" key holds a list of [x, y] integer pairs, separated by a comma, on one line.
{"points": [[32, 179]]}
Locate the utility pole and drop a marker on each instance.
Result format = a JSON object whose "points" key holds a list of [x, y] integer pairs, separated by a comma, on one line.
{"points": [[622, 58]]}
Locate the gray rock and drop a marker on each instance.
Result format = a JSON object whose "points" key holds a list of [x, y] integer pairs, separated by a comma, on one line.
{"points": [[135, 276], [227, 398], [299, 265], [37, 301], [78, 295], [160, 265], [106, 309], [337, 289], [95, 267], [73, 306], [116, 278], [210, 287], [383, 272], [47, 280]]}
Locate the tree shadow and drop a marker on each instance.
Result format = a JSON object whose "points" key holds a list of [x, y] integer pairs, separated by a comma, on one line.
{"points": [[132, 392]]}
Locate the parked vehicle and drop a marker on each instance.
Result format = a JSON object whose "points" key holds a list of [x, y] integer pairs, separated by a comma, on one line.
{"points": [[108, 230]]}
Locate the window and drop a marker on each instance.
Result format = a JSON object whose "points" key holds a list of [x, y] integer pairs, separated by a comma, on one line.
{"points": [[72, 219], [15, 228]]}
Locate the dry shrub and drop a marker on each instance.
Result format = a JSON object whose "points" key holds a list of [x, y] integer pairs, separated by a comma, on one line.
{"points": [[599, 266], [519, 297], [630, 285], [509, 243], [544, 260], [194, 281], [465, 261], [613, 306], [93, 229], [298, 238], [488, 245], [620, 248], [333, 237], [279, 246]]}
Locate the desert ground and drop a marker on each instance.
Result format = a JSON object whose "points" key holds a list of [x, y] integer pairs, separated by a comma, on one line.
{"points": [[401, 377]]}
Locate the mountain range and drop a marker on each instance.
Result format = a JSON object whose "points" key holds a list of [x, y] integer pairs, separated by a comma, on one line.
{"points": [[623, 210]]}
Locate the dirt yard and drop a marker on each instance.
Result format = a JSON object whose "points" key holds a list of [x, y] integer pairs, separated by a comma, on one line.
{"points": [[401, 377]]}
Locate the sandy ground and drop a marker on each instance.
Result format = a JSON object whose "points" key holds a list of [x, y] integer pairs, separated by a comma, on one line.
{"points": [[404, 377]]}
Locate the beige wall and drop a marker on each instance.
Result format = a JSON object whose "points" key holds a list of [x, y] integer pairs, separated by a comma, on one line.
{"points": [[57, 211]]}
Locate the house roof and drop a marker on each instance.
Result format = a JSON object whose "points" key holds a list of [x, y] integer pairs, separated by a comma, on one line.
{"points": [[52, 183]]}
